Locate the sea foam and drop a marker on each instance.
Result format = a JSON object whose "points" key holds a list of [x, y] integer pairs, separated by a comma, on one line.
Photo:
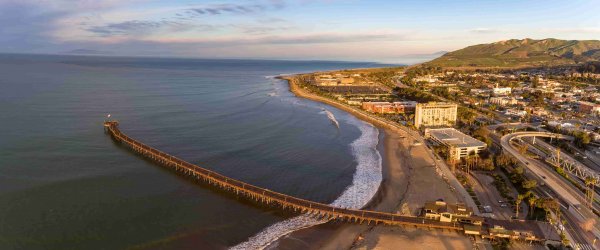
{"points": [[331, 117], [365, 183]]}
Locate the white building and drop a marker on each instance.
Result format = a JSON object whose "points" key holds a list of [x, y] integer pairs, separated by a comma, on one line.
{"points": [[501, 91], [502, 101], [459, 144], [435, 114]]}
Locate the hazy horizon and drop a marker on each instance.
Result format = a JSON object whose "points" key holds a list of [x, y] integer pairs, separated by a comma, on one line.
{"points": [[378, 31]]}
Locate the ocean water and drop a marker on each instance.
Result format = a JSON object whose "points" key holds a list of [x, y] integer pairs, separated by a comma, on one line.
{"points": [[65, 185]]}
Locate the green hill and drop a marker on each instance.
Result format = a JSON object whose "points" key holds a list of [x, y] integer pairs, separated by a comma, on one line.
{"points": [[522, 53]]}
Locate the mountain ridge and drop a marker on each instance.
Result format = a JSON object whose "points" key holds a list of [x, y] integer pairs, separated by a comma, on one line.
{"points": [[522, 53]]}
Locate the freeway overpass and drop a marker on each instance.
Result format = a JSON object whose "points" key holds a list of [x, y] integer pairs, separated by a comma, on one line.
{"points": [[565, 190], [551, 179]]}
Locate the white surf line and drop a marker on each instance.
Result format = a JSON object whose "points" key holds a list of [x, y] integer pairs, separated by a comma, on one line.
{"points": [[365, 183], [331, 117]]}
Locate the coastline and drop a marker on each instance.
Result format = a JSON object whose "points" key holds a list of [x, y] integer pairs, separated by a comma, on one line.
{"points": [[442, 168], [406, 171], [296, 90]]}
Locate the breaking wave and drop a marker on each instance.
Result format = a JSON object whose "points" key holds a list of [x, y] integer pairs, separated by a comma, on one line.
{"points": [[331, 117], [365, 183]]}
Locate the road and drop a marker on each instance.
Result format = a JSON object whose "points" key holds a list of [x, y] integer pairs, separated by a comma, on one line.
{"points": [[565, 190], [542, 173]]}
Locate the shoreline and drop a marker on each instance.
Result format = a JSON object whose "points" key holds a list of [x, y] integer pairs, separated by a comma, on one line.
{"points": [[442, 168], [296, 90], [400, 173]]}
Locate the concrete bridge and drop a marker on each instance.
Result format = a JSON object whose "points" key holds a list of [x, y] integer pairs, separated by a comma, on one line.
{"points": [[515, 135], [570, 166], [268, 197]]}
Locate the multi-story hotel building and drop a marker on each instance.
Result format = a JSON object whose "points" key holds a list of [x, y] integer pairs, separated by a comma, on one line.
{"points": [[435, 114]]}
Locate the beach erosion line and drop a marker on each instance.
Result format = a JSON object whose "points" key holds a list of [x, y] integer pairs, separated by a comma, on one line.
{"points": [[365, 183]]}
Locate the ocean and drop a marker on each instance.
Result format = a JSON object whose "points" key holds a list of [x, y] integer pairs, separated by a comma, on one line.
{"points": [[64, 184]]}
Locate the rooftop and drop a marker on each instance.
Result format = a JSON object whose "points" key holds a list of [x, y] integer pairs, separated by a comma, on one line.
{"points": [[454, 137], [541, 230], [441, 207], [436, 104]]}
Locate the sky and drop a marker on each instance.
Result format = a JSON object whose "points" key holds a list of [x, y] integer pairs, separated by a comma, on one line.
{"points": [[377, 30]]}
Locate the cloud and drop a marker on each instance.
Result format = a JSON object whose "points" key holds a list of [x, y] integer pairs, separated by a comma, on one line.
{"points": [[262, 29], [334, 38], [25, 27], [30, 25], [137, 27], [241, 9], [483, 30], [310, 38]]}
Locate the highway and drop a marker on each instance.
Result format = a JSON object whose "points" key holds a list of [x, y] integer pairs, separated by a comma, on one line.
{"points": [[565, 190], [550, 178]]}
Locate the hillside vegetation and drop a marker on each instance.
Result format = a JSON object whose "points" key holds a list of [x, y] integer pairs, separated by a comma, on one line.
{"points": [[522, 53]]}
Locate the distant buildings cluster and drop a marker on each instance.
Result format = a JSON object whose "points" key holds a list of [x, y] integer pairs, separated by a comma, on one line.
{"points": [[390, 107], [339, 79]]}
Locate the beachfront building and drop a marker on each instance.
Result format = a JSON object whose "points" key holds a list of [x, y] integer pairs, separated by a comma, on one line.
{"points": [[390, 107], [588, 107], [530, 231], [333, 80], [445, 212], [459, 144], [435, 114]]}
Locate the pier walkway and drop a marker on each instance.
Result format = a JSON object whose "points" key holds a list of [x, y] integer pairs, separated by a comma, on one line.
{"points": [[272, 198]]}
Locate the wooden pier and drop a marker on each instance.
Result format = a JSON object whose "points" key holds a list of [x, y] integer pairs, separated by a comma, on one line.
{"points": [[272, 198]]}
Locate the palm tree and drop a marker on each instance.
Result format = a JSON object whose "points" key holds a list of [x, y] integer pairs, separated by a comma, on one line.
{"points": [[532, 200], [518, 201]]}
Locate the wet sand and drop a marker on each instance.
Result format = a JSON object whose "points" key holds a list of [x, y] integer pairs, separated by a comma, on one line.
{"points": [[409, 180]]}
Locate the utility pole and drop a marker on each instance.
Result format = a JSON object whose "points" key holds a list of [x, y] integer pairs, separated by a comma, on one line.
{"points": [[557, 157]]}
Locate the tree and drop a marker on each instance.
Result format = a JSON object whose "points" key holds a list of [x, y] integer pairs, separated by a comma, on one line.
{"points": [[518, 170], [483, 134], [518, 201], [550, 204], [582, 139], [465, 115], [487, 164], [523, 149], [529, 184], [532, 200]]}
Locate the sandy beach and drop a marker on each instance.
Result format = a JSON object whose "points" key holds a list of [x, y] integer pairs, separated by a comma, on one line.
{"points": [[409, 180]]}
